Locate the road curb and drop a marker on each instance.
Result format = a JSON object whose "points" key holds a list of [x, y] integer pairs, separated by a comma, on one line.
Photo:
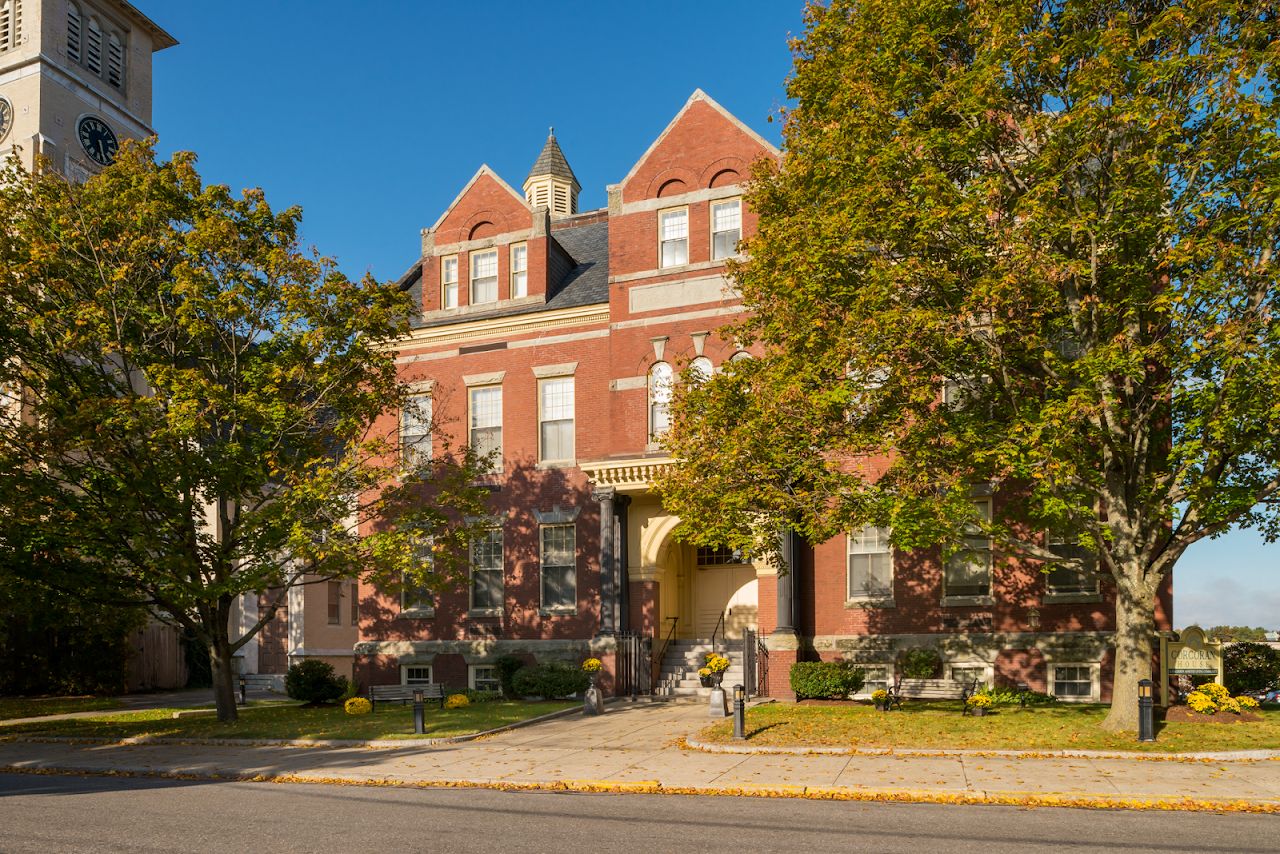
{"points": [[768, 750], [653, 787]]}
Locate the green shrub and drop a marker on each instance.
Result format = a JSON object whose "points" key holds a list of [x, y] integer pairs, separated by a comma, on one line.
{"points": [[921, 663], [550, 680], [313, 681], [508, 666], [475, 696], [825, 679], [1014, 697], [1251, 668]]}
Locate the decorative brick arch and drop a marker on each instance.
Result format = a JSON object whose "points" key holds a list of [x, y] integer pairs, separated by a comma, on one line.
{"points": [[686, 177], [724, 172]]}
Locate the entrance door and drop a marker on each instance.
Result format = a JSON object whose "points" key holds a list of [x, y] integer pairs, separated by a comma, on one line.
{"points": [[727, 590]]}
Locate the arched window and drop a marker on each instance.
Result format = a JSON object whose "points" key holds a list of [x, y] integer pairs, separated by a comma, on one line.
{"points": [[739, 356], [93, 47], [73, 33], [115, 61], [660, 384], [700, 369]]}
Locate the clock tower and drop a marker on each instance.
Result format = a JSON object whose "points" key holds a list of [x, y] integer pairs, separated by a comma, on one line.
{"points": [[75, 79]]}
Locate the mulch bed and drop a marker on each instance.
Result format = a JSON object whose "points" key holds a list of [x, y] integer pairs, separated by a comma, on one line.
{"points": [[1183, 714], [845, 703]]}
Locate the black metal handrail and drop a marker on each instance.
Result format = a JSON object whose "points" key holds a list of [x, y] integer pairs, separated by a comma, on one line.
{"points": [[719, 629], [655, 663]]}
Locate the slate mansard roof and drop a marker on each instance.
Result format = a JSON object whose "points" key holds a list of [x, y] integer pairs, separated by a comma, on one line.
{"points": [[583, 277]]}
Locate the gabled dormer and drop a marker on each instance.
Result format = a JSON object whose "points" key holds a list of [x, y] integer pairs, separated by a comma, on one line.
{"points": [[551, 183]]}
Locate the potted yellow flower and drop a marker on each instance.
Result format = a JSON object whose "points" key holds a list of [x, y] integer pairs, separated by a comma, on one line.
{"points": [[881, 699], [592, 701], [712, 672], [978, 703]]}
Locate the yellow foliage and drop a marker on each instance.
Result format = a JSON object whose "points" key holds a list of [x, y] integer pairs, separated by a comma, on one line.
{"points": [[456, 701], [357, 706]]}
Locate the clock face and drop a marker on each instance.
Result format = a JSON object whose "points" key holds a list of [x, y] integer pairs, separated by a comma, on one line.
{"points": [[97, 139], [6, 117]]}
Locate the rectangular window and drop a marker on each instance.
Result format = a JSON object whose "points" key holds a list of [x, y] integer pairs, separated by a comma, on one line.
{"points": [[335, 602], [726, 228], [559, 568], [519, 270], [875, 678], [969, 674], [968, 571], [870, 564], [449, 281], [673, 237], [416, 597], [415, 674], [486, 571], [355, 603], [484, 677], [484, 276], [486, 423], [1072, 681], [719, 556], [555, 413], [415, 428], [1076, 579]]}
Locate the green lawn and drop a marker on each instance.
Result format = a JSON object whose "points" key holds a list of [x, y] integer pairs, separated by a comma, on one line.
{"points": [[292, 721], [32, 707], [940, 726]]}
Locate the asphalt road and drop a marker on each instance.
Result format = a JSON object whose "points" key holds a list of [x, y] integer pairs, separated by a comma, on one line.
{"points": [[47, 813]]}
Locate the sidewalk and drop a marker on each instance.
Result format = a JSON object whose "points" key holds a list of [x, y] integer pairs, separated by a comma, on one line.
{"points": [[639, 749]]}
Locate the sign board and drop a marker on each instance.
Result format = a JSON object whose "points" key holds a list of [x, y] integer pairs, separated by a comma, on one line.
{"points": [[1189, 653]]}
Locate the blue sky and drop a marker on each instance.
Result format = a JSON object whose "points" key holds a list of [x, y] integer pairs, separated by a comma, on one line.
{"points": [[372, 116]]}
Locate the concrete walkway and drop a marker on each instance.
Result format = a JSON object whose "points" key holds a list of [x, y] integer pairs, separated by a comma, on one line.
{"points": [[638, 748]]}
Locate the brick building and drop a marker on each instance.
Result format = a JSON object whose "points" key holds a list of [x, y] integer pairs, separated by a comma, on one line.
{"points": [[554, 336]]}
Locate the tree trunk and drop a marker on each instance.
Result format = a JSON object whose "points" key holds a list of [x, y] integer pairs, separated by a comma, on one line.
{"points": [[1135, 628], [224, 689]]}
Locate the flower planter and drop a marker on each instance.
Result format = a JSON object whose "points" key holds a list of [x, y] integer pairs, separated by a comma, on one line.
{"points": [[977, 711]]}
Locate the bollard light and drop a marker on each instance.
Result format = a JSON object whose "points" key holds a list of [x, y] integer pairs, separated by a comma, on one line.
{"points": [[418, 723], [244, 701], [739, 712], [1146, 714]]}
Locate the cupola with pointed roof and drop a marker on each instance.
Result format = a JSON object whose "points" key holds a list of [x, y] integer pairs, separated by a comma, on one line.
{"points": [[551, 183]]}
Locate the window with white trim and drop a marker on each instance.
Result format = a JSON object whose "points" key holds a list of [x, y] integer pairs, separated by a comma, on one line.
{"points": [[415, 427], [661, 382], [1079, 578], [334, 591], [484, 276], [483, 677], [555, 419], [559, 567], [415, 674], [1074, 681], [968, 571], [970, 673], [673, 237], [719, 556], [726, 228], [415, 596], [519, 270], [870, 564], [701, 370], [875, 677], [486, 571], [449, 281], [486, 423]]}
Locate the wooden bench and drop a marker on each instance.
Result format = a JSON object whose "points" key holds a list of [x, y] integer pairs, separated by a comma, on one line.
{"points": [[932, 689], [404, 693]]}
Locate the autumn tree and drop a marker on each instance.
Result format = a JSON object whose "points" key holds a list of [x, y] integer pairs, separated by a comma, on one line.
{"points": [[1025, 244], [190, 405]]}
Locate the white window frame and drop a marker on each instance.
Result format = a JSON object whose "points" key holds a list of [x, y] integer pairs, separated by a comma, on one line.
{"points": [[449, 284], [733, 253], [988, 671], [663, 387], [496, 466], [404, 674], [1095, 680], [415, 428], [701, 370], [1060, 540], [546, 608], [422, 605], [500, 570], [473, 677], [858, 542], [471, 273], [663, 241], [865, 691], [988, 550], [543, 458], [519, 275]]}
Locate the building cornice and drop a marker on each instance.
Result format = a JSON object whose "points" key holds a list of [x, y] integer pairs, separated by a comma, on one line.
{"points": [[502, 327]]}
